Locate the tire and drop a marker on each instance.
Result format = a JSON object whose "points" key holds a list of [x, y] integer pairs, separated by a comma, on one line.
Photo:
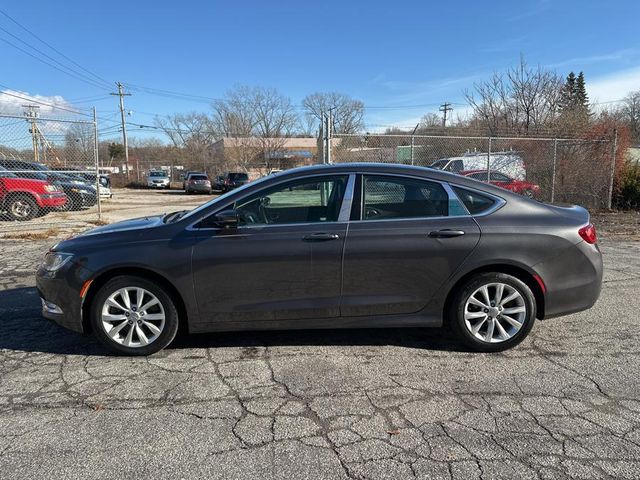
{"points": [[522, 312], [22, 208], [71, 204], [126, 339]]}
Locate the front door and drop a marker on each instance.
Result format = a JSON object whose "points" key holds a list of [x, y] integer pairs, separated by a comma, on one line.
{"points": [[284, 259], [410, 236]]}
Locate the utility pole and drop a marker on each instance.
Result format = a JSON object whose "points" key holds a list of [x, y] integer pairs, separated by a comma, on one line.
{"points": [[121, 94], [444, 108], [32, 113]]}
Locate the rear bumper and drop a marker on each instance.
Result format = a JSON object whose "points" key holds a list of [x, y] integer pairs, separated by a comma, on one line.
{"points": [[573, 280], [198, 188]]}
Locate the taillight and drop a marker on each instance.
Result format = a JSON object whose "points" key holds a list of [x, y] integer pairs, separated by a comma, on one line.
{"points": [[588, 234]]}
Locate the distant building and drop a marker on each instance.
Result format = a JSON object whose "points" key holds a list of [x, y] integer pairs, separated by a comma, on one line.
{"points": [[259, 156]]}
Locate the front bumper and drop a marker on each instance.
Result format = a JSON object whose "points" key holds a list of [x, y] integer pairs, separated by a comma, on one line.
{"points": [[158, 184], [573, 279], [60, 295], [52, 200]]}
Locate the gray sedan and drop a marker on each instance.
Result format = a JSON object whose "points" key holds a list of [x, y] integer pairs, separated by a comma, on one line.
{"points": [[341, 246]]}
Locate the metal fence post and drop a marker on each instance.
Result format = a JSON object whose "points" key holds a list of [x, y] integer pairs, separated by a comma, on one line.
{"points": [[553, 177], [96, 161], [413, 142], [329, 138], [489, 162], [614, 151]]}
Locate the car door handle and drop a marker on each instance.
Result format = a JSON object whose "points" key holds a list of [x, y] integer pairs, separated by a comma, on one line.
{"points": [[446, 233], [320, 237]]}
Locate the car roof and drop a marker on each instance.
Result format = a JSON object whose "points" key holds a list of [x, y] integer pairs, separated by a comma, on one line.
{"points": [[394, 169]]}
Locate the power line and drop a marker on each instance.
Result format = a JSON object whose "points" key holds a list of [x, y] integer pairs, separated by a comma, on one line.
{"points": [[53, 48], [33, 100], [94, 84], [57, 64]]}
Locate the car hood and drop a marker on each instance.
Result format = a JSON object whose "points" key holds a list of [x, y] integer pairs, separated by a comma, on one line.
{"points": [[84, 186], [125, 225]]}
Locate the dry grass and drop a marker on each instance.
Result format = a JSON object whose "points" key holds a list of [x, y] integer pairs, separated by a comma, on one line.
{"points": [[39, 235], [98, 223]]}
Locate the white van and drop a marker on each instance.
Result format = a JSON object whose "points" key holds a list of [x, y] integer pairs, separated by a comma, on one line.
{"points": [[509, 163]]}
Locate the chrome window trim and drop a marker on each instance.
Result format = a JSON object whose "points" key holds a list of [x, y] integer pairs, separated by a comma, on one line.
{"points": [[347, 198]]}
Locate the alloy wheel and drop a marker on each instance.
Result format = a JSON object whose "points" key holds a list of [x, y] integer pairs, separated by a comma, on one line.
{"points": [[21, 208], [133, 317], [495, 312]]}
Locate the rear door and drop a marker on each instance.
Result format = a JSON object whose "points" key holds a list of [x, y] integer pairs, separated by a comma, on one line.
{"points": [[407, 237]]}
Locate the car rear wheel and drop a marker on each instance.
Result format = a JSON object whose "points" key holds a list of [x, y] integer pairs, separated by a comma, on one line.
{"points": [[493, 312], [22, 208], [134, 316]]}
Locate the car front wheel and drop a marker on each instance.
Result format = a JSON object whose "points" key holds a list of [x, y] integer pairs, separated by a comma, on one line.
{"points": [[22, 208], [493, 312], [134, 316]]}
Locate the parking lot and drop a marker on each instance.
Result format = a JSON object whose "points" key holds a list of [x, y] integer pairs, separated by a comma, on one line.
{"points": [[321, 404]]}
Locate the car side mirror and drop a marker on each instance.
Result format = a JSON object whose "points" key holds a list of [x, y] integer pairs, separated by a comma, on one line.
{"points": [[226, 219]]}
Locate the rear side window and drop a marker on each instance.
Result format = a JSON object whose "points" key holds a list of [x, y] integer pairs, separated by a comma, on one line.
{"points": [[397, 197], [475, 202]]}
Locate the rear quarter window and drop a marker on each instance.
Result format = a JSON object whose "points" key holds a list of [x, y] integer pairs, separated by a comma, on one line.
{"points": [[475, 202]]}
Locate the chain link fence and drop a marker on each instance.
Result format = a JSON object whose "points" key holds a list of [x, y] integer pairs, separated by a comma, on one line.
{"points": [[550, 169], [49, 173]]}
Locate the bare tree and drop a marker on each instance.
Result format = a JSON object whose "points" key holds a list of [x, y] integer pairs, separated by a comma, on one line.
{"points": [[630, 114], [78, 140], [430, 121], [258, 119], [524, 100], [192, 134], [347, 113]]}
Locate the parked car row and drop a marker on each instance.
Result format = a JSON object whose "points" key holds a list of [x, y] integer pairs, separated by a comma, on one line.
{"points": [[29, 189], [199, 182]]}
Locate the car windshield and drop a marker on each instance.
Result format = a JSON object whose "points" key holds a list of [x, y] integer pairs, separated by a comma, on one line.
{"points": [[439, 164], [158, 174], [238, 176], [198, 177]]}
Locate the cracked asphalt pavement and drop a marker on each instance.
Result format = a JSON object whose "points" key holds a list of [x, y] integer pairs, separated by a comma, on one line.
{"points": [[388, 404]]}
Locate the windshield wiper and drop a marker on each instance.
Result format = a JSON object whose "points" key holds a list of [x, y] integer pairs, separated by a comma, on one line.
{"points": [[173, 216]]}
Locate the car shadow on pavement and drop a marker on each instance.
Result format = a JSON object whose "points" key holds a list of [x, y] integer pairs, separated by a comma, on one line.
{"points": [[22, 328]]}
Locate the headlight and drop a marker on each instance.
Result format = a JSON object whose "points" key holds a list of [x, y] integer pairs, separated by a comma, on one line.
{"points": [[79, 190], [55, 260], [51, 188]]}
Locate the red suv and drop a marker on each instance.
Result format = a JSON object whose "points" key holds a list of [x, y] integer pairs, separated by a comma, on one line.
{"points": [[25, 198], [501, 180]]}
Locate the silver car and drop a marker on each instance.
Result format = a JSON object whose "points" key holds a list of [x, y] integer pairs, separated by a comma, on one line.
{"points": [[158, 179]]}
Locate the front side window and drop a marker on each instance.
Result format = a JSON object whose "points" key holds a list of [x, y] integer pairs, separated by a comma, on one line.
{"points": [[397, 198], [309, 200]]}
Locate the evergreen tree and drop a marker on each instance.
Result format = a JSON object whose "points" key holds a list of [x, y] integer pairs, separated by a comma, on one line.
{"points": [[567, 94], [581, 99]]}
